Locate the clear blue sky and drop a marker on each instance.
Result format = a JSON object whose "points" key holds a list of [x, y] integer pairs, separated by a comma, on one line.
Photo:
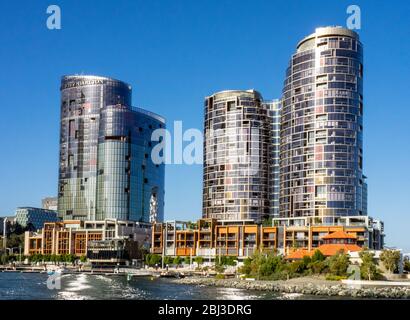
{"points": [[176, 52]]}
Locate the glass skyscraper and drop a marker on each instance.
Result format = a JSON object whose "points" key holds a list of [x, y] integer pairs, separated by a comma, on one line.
{"points": [[321, 147], [237, 144], [105, 168], [274, 111]]}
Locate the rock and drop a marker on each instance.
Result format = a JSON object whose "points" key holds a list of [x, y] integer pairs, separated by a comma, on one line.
{"points": [[342, 293]]}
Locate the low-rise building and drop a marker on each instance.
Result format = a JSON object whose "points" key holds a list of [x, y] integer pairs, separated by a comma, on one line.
{"points": [[36, 217], [332, 243], [210, 238], [308, 232], [108, 241]]}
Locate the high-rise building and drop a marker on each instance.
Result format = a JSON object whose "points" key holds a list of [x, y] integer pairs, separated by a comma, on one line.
{"points": [[237, 132], [321, 152], [106, 170], [274, 111], [50, 203]]}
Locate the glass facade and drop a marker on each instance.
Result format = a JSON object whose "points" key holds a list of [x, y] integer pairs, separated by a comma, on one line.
{"points": [[321, 147], [237, 144], [274, 111], [106, 169], [35, 216]]}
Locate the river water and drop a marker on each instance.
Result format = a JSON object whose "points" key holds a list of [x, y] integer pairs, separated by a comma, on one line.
{"points": [[33, 286]]}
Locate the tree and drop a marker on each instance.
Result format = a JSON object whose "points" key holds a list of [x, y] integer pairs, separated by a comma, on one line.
{"points": [[199, 260], [317, 266], [30, 227], [37, 257], [263, 266], [228, 261], [4, 259], [390, 260], [318, 256], [406, 264], [15, 240], [296, 267], [317, 263], [15, 228], [267, 221], [306, 260], [54, 258], [191, 225], [246, 267], [368, 267], [70, 258], [177, 261], [168, 260], [187, 260], [152, 259], [338, 264]]}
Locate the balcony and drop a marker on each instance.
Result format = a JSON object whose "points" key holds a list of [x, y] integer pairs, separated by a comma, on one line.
{"points": [[270, 237], [170, 251], [205, 252], [156, 250], [246, 252]]}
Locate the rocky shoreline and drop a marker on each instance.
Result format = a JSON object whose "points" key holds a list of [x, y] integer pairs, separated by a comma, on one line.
{"points": [[306, 286]]}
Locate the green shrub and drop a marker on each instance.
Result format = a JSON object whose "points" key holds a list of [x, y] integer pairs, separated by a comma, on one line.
{"points": [[227, 261], [219, 268], [246, 268], [406, 265], [177, 261], [220, 276], [153, 259], [317, 267], [318, 256], [338, 264], [368, 268], [390, 260], [199, 260], [168, 260], [296, 267], [4, 259], [334, 278]]}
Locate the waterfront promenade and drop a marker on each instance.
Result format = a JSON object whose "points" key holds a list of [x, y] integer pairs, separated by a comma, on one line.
{"points": [[308, 285], [311, 285]]}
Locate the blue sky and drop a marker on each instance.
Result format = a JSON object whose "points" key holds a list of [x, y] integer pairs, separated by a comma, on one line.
{"points": [[174, 53]]}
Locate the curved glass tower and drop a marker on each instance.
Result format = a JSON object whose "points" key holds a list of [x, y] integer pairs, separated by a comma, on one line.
{"points": [[105, 153], [236, 151], [321, 128]]}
